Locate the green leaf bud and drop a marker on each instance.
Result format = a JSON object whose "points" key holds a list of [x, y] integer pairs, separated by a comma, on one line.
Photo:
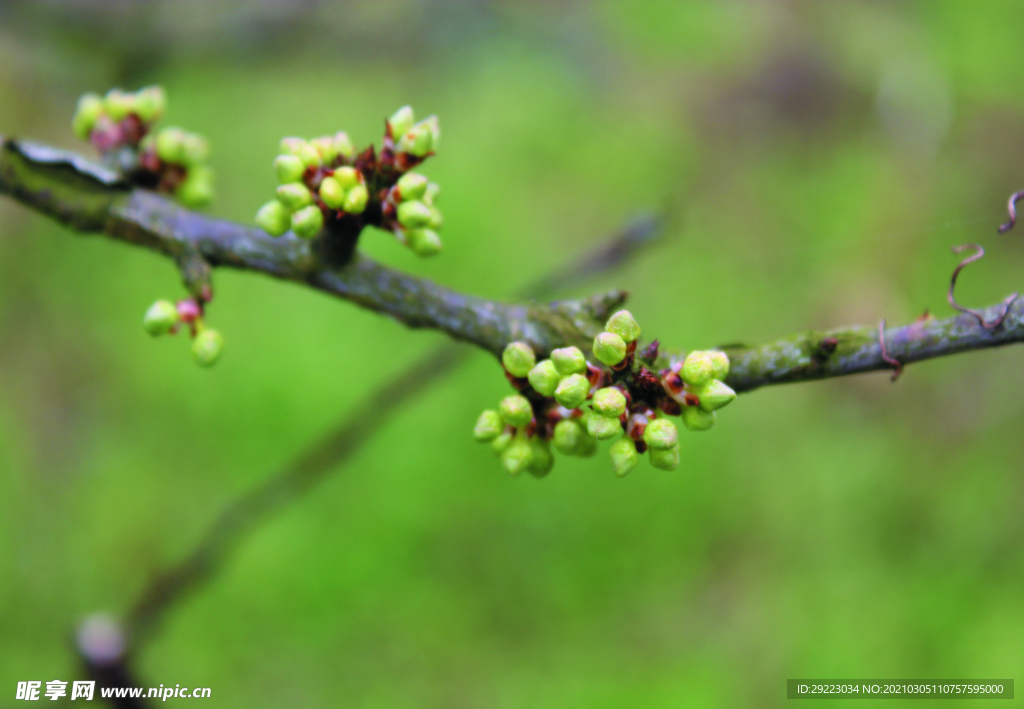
{"points": [[436, 218], [118, 104], [698, 368], [720, 363], [518, 358], [543, 461], [488, 427], [401, 121], [516, 410], [432, 193], [603, 427], [289, 169], [416, 141], [518, 456], [697, 419], [170, 145], [424, 242], [412, 185], [309, 155], [661, 434], [609, 401], [499, 444], [609, 348], [197, 188], [294, 195], [714, 395], [195, 149], [88, 111], [572, 391], [274, 218], [347, 177], [624, 325], [291, 146], [667, 459], [332, 193], [160, 318], [307, 222], [150, 103], [342, 145], [569, 360], [325, 147], [207, 347], [568, 436], [413, 214], [355, 199], [624, 456], [544, 378]]}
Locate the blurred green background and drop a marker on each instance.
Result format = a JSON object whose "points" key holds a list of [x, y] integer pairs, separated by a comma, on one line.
{"points": [[820, 159]]}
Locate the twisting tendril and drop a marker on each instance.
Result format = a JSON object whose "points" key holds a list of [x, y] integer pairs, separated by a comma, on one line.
{"points": [[979, 252], [897, 366], [1011, 207]]}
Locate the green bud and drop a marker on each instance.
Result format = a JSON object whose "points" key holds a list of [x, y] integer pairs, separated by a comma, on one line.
{"points": [[569, 360], [432, 193], [609, 402], [609, 348], [356, 199], [118, 104], [197, 188], [150, 103], [518, 456], [667, 459], [436, 219], [624, 456], [543, 461], [502, 442], [207, 346], [325, 147], [413, 214], [572, 391], [347, 177], [307, 222], [567, 437], [195, 149], [289, 169], [544, 378], [416, 141], [160, 318], [342, 145], [698, 368], [661, 434], [518, 358], [291, 146], [588, 445], [488, 427], [603, 427], [516, 410], [309, 155], [294, 195], [411, 185], [424, 242], [170, 145], [88, 111], [714, 395], [697, 419], [332, 193], [624, 325], [401, 121], [434, 126], [720, 362], [274, 218]]}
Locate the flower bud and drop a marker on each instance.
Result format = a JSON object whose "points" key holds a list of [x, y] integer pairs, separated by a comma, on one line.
{"points": [[347, 177], [307, 222], [356, 199], [609, 402], [411, 185], [342, 145], [609, 348], [160, 318], [332, 193], [294, 195], [325, 147], [569, 360], [499, 444], [544, 378], [89, 109], [436, 219], [207, 346], [572, 391], [518, 358], [697, 419], [289, 169], [488, 427], [603, 427], [432, 193], [542, 461], [195, 149], [274, 218], [424, 242], [698, 368], [667, 459], [518, 456], [413, 214], [150, 103], [567, 437], [309, 155], [588, 445], [290, 146], [624, 325], [516, 410], [197, 188], [714, 395], [661, 434], [118, 104], [170, 145], [416, 141], [401, 121], [624, 456], [434, 126], [720, 364]]}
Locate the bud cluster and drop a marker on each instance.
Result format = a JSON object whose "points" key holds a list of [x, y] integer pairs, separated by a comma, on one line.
{"points": [[120, 125], [326, 186], [574, 403], [166, 318]]}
